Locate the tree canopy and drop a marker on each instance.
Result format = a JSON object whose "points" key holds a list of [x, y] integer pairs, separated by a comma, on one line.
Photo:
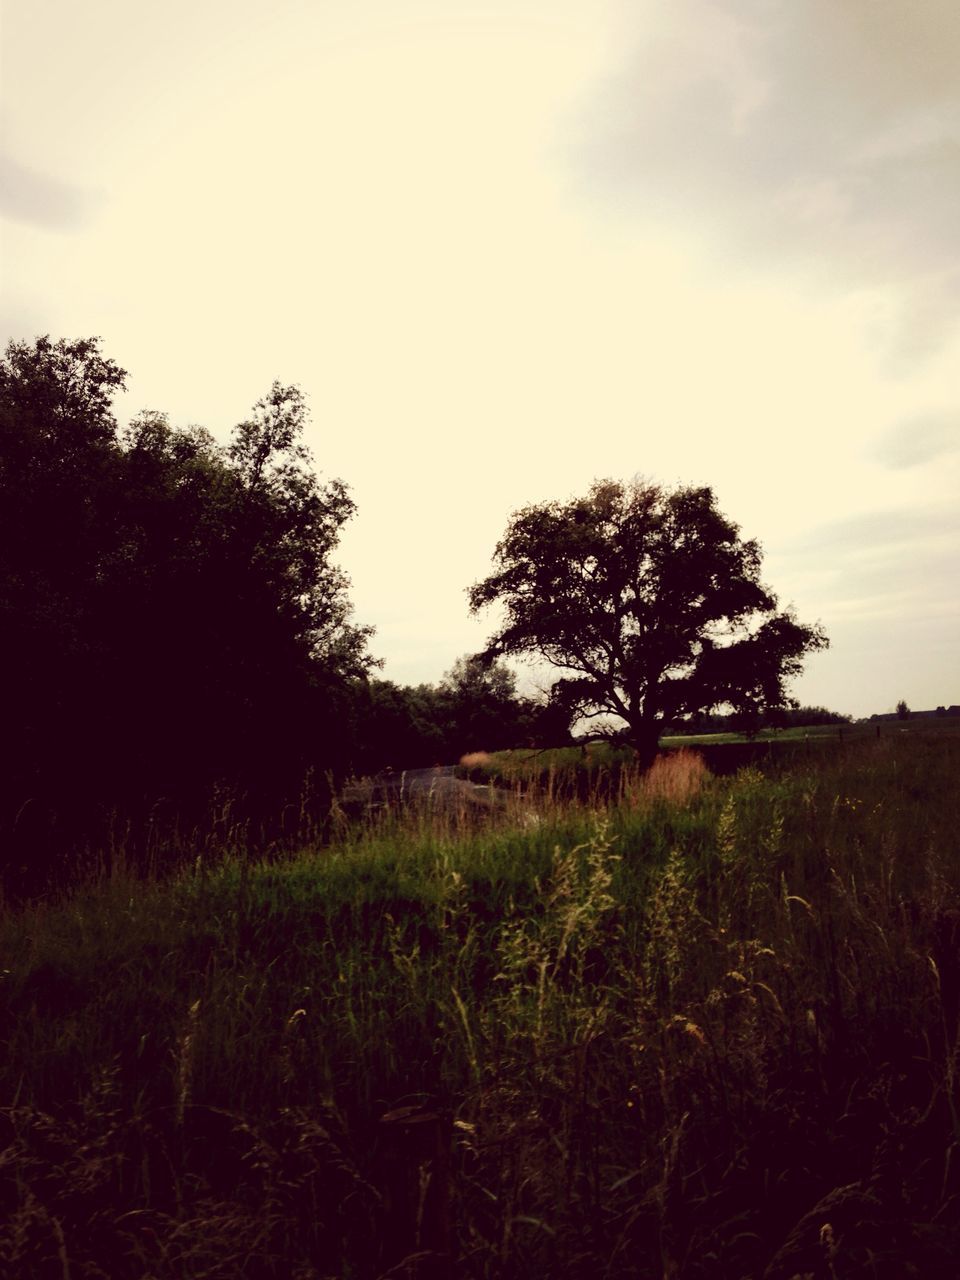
{"points": [[170, 614], [649, 603], [474, 707]]}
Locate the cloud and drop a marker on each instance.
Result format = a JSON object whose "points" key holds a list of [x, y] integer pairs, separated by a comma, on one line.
{"points": [[823, 135], [876, 532], [27, 195], [920, 440], [891, 566]]}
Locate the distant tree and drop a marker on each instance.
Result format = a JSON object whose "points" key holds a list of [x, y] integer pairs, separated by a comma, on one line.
{"points": [[648, 603], [797, 717], [548, 721], [903, 711], [398, 726], [475, 706], [777, 718], [480, 706]]}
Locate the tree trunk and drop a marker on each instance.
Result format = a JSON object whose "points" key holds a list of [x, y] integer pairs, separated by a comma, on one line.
{"points": [[644, 739]]}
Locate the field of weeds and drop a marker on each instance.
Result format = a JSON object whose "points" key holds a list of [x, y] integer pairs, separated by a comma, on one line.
{"points": [[686, 1026]]}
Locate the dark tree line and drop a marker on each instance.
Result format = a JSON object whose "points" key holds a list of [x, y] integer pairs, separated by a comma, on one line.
{"points": [[779, 718], [170, 615], [475, 707]]}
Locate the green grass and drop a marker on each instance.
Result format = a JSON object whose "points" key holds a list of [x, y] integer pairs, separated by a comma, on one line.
{"points": [[678, 1033], [839, 732]]}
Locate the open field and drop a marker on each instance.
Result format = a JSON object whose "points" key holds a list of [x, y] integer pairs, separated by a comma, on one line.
{"points": [[593, 769], [683, 1026], [840, 732]]}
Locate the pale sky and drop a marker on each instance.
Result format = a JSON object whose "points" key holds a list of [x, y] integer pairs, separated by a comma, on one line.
{"points": [[508, 248]]}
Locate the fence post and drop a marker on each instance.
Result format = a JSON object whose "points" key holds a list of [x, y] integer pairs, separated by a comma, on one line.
{"points": [[418, 1195]]}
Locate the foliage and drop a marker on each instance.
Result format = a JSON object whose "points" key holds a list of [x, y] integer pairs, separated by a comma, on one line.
{"points": [[475, 706], [397, 726], [649, 603], [785, 717], [903, 711], [481, 707], [169, 613], [798, 717]]}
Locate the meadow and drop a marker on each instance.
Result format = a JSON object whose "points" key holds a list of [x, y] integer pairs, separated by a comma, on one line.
{"points": [[694, 1024]]}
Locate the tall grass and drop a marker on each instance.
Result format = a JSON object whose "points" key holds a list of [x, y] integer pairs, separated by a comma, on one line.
{"points": [[684, 1027]]}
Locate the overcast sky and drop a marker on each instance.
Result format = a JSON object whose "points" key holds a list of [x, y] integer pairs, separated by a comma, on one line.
{"points": [[511, 247]]}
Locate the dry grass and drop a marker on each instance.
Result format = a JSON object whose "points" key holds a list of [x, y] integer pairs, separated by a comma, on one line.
{"points": [[475, 759], [676, 777]]}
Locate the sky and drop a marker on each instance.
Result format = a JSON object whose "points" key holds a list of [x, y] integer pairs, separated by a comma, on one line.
{"points": [[508, 247]]}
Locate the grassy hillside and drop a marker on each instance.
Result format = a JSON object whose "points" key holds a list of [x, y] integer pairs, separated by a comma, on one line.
{"points": [[685, 1026]]}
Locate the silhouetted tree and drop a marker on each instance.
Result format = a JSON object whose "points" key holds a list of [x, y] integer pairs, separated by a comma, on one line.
{"points": [[785, 717], [649, 603], [797, 717], [480, 707], [169, 612], [397, 725], [903, 711], [474, 707]]}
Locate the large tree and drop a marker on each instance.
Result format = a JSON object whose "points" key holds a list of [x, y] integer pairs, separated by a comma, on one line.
{"points": [[649, 603]]}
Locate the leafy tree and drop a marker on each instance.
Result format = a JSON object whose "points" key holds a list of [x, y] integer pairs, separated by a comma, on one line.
{"points": [[549, 721], [485, 711], [480, 707], [170, 615], [58, 462], [903, 711], [397, 725], [474, 706], [785, 717], [798, 717], [649, 603]]}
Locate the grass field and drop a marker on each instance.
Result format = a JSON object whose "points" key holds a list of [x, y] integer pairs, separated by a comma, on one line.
{"points": [[842, 732], [679, 1026]]}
